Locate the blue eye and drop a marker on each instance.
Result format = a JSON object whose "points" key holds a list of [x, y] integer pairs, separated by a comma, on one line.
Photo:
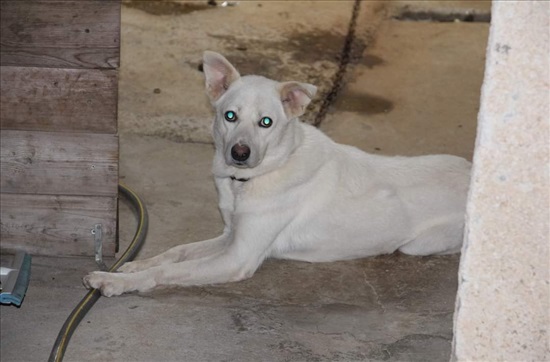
{"points": [[266, 122], [230, 116]]}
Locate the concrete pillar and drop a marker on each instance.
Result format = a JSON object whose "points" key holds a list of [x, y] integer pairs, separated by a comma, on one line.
{"points": [[503, 302]]}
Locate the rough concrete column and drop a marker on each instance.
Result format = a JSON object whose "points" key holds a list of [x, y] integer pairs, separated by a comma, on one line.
{"points": [[503, 303]]}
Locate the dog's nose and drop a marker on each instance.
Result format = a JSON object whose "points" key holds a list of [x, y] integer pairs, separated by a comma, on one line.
{"points": [[240, 152]]}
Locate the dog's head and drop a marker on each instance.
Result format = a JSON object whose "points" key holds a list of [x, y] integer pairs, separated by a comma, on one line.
{"points": [[254, 125]]}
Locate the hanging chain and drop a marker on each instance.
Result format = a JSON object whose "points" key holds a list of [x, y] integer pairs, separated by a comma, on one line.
{"points": [[345, 58]]}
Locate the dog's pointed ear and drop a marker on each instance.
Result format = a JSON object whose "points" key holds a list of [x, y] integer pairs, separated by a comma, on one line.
{"points": [[295, 97], [219, 74]]}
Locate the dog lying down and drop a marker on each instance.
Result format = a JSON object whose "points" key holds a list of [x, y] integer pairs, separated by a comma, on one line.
{"points": [[288, 191]]}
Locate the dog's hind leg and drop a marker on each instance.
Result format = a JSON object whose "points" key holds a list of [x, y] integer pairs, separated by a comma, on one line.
{"points": [[442, 238], [179, 253]]}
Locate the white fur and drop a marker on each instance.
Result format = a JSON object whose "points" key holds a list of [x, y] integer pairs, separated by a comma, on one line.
{"points": [[307, 197]]}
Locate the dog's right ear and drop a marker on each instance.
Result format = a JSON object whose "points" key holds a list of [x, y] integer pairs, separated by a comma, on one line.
{"points": [[295, 97], [219, 74]]}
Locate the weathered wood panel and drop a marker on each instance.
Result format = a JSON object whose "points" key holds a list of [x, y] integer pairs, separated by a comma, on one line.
{"points": [[66, 100], [59, 163], [60, 34], [56, 225]]}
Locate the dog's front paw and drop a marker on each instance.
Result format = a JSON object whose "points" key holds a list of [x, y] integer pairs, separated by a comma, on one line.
{"points": [[109, 284]]}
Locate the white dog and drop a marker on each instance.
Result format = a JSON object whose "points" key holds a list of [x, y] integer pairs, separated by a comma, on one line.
{"points": [[288, 191]]}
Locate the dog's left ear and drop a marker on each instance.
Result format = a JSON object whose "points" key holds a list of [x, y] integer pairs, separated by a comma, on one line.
{"points": [[295, 97], [219, 74]]}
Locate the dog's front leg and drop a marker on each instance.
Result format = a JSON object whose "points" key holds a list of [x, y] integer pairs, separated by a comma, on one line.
{"points": [[240, 260], [226, 267], [179, 253]]}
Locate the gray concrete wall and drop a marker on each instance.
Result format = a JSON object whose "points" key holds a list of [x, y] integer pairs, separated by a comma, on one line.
{"points": [[502, 310]]}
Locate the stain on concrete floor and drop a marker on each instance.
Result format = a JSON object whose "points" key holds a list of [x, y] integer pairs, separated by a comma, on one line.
{"points": [[304, 47], [362, 102], [371, 60], [167, 7]]}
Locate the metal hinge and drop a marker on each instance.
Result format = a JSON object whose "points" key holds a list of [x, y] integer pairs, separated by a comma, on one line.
{"points": [[97, 231]]}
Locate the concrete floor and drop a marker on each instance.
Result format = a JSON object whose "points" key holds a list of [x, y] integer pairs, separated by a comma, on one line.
{"points": [[413, 90]]}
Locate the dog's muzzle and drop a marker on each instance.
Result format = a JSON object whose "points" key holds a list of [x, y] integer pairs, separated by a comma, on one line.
{"points": [[240, 153]]}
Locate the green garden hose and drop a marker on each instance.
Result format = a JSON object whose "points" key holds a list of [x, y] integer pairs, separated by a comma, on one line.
{"points": [[76, 316]]}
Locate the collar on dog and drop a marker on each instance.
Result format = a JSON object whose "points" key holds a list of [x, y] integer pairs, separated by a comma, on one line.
{"points": [[239, 179]]}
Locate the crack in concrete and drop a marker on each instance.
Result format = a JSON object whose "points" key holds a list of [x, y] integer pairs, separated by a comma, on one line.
{"points": [[369, 284]]}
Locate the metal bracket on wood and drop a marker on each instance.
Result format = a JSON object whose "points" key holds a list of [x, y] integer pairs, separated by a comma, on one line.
{"points": [[97, 231]]}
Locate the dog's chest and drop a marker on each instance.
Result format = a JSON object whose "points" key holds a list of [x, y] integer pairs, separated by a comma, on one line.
{"points": [[237, 187], [256, 196]]}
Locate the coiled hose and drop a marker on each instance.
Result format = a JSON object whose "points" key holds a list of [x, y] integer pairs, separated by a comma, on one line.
{"points": [[76, 316]]}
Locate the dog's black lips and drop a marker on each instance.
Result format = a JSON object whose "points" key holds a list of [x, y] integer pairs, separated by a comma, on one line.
{"points": [[239, 179]]}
